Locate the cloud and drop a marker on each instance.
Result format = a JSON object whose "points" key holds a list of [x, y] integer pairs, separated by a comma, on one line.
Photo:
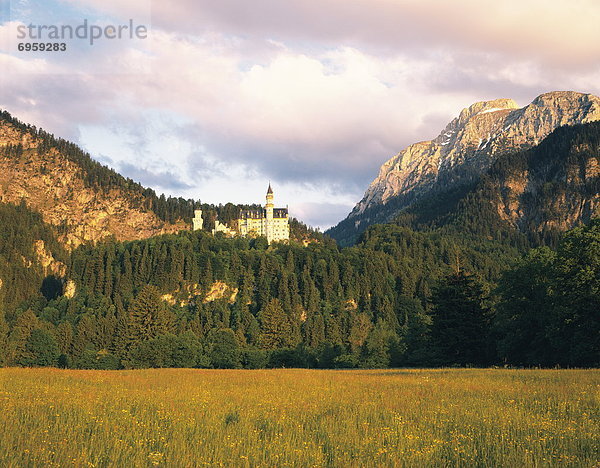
{"points": [[314, 96], [517, 28]]}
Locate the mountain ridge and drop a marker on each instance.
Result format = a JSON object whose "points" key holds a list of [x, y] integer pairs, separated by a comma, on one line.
{"points": [[82, 199], [463, 151]]}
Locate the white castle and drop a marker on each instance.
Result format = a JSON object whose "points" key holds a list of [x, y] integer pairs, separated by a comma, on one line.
{"points": [[271, 222]]}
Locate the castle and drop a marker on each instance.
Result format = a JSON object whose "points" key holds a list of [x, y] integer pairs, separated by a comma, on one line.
{"points": [[271, 222]]}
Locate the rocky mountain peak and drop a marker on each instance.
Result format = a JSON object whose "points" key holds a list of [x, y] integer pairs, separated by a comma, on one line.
{"points": [[471, 142], [485, 107]]}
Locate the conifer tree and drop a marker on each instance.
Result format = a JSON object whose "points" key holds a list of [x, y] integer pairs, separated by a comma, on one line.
{"points": [[121, 342], [314, 330], [276, 326], [359, 330], [3, 337], [64, 337], [85, 335], [460, 323], [148, 316], [24, 326]]}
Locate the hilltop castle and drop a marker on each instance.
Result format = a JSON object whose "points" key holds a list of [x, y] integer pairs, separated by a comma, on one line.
{"points": [[271, 222]]}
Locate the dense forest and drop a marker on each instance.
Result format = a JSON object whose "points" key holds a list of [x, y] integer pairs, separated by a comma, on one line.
{"points": [[448, 282], [398, 298], [21, 275]]}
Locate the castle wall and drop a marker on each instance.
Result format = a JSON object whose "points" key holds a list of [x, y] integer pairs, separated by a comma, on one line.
{"points": [[273, 223]]}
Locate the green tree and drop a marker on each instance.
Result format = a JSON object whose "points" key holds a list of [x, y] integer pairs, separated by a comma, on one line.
{"points": [[85, 335], [381, 346], [42, 349], [576, 329], [414, 331], [3, 338], [523, 314], [224, 349], [148, 317], [17, 341], [64, 337], [276, 326], [359, 331], [549, 303], [460, 323], [187, 351]]}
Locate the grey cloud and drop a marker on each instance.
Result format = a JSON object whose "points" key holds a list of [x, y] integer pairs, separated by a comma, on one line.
{"points": [[345, 166], [166, 180]]}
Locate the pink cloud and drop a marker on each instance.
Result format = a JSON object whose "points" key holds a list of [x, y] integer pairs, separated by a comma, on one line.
{"points": [[557, 33]]}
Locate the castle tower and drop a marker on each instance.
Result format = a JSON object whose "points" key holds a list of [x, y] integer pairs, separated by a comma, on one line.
{"points": [[269, 215], [198, 222]]}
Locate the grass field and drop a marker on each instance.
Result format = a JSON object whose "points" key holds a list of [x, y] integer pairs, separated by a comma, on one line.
{"points": [[185, 417]]}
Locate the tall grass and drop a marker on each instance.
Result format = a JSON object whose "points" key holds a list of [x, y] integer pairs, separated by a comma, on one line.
{"points": [[51, 417]]}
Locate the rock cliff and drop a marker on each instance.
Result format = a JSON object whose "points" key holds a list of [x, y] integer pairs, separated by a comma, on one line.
{"points": [[471, 142], [54, 185], [463, 151]]}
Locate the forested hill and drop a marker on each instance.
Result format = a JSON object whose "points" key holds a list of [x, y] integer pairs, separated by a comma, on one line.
{"points": [[442, 285], [399, 298], [83, 199], [86, 201], [529, 196]]}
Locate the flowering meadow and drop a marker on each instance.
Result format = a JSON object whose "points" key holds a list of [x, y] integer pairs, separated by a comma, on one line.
{"points": [[289, 417]]}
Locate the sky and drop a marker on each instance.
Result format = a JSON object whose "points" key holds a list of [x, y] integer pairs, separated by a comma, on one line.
{"points": [[220, 98]]}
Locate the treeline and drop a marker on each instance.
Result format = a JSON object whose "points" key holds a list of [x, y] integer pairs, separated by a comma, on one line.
{"points": [[548, 311], [399, 298]]}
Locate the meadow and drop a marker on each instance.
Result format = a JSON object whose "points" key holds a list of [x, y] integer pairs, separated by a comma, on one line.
{"points": [[188, 417]]}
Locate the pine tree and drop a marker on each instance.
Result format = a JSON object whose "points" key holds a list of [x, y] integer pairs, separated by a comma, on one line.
{"points": [[359, 331], [85, 335], [460, 329], [3, 338], [17, 341], [314, 330], [64, 337], [121, 342], [276, 326], [148, 316]]}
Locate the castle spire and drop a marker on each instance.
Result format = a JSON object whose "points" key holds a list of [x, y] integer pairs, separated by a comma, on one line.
{"points": [[269, 190]]}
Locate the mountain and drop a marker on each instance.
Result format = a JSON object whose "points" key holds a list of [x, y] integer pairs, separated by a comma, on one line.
{"points": [[462, 153], [191, 298], [84, 200], [528, 196], [550, 187]]}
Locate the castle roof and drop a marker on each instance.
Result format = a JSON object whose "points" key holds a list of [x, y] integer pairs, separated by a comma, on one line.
{"points": [[262, 213], [280, 212], [269, 190]]}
